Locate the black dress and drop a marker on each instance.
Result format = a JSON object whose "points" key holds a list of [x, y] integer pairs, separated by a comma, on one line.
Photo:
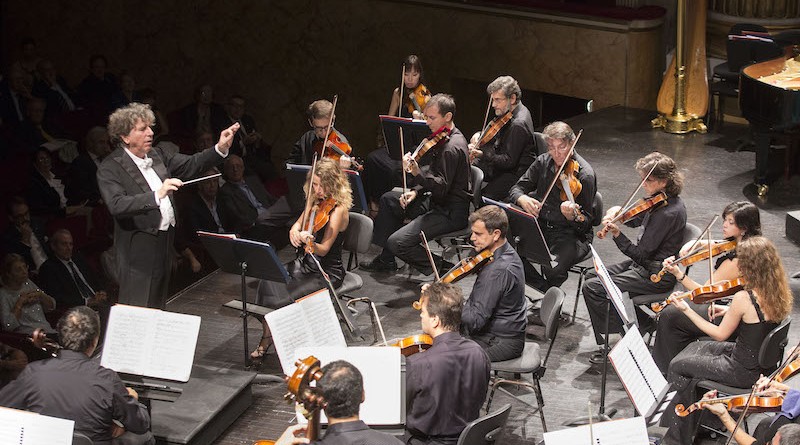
{"points": [[734, 364], [304, 274]]}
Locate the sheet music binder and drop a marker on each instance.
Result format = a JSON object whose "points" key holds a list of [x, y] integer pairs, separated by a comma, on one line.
{"points": [[530, 242]]}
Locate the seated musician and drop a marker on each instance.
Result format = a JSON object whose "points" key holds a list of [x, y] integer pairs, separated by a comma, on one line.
{"points": [[755, 312], [381, 171], [509, 154], [445, 385], [72, 386], [782, 428], [446, 180], [320, 117], [342, 387], [661, 235], [674, 331], [566, 225], [494, 314], [328, 186]]}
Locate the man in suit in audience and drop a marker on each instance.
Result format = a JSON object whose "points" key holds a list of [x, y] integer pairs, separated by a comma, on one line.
{"points": [[25, 236], [82, 184], [68, 278]]}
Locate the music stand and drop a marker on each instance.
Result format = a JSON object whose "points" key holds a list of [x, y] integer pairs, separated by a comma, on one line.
{"points": [[414, 131], [528, 236], [247, 258], [296, 178]]}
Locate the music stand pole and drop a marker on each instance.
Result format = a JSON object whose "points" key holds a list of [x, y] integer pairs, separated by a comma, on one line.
{"points": [[243, 266]]}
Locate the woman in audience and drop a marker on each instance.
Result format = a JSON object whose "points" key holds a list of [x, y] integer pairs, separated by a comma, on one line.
{"points": [[755, 311], [740, 220], [46, 192], [22, 303]]}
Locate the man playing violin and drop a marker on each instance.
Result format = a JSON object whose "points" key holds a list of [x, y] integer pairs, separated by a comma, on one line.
{"points": [[504, 158], [494, 314], [660, 236], [320, 117], [566, 225], [445, 385], [438, 202]]}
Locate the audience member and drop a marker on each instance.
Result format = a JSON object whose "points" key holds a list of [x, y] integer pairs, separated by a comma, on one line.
{"points": [[160, 126], [248, 142], [14, 97], [82, 184], [125, 92], [46, 192], [68, 278], [24, 235], [203, 113], [95, 90], [73, 386], [342, 388], [53, 89], [22, 303], [201, 213], [203, 140], [28, 57]]}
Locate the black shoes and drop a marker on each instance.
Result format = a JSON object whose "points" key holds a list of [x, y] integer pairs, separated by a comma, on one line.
{"points": [[378, 265], [597, 357]]}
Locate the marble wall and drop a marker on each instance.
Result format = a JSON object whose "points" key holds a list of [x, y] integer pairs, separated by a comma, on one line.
{"points": [[283, 55]]}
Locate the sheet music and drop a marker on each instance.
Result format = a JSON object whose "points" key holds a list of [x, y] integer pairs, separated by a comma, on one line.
{"points": [[311, 321], [638, 372], [150, 342], [614, 432], [611, 289], [26, 428], [380, 368]]}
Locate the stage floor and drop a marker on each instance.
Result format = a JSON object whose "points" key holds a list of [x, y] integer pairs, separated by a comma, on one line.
{"points": [[612, 141]]}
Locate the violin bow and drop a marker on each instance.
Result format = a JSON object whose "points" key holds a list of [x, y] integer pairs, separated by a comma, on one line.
{"points": [[485, 118], [330, 125], [402, 154], [307, 218], [400, 91], [430, 255], [561, 168], [624, 208]]}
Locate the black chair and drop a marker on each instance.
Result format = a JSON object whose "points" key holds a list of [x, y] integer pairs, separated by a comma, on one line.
{"points": [[485, 430], [458, 240], [740, 53], [81, 439], [541, 143], [770, 356], [531, 361], [582, 267]]}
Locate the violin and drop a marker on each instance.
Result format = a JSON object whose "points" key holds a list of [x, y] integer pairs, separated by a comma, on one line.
{"points": [[493, 128], [467, 266], [320, 215], [788, 370], [335, 147], [417, 98], [704, 294], [759, 403], [300, 391], [697, 255], [413, 344], [571, 186], [430, 142], [639, 207]]}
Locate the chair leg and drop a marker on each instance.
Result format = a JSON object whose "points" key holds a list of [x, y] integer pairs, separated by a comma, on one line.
{"points": [[581, 277], [540, 401], [489, 401]]}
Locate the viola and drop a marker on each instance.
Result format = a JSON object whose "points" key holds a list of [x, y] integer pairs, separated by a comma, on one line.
{"points": [[639, 207], [467, 266], [320, 215], [493, 128], [759, 403], [335, 147], [300, 391], [417, 98], [704, 294], [430, 142], [413, 344], [697, 255]]}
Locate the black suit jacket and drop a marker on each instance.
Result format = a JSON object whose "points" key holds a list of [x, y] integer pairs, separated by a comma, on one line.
{"points": [[248, 126], [55, 103], [82, 184], [56, 280], [43, 199], [12, 242], [235, 210]]}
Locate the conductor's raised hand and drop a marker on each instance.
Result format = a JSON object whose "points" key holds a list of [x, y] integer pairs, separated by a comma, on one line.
{"points": [[169, 185], [226, 138]]}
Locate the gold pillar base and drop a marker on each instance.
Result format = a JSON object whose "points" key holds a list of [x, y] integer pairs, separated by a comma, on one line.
{"points": [[679, 124]]}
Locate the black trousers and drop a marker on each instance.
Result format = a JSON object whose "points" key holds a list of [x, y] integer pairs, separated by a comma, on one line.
{"points": [[381, 174], [144, 277], [500, 348], [498, 188], [567, 247], [403, 241], [629, 277]]}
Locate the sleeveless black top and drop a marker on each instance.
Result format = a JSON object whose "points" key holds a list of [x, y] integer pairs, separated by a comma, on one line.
{"points": [[751, 335]]}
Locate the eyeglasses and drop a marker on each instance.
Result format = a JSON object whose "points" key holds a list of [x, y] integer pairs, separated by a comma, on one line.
{"points": [[562, 149]]}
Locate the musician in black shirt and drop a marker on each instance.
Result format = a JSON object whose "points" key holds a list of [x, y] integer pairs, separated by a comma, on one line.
{"points": [[437, 203]]}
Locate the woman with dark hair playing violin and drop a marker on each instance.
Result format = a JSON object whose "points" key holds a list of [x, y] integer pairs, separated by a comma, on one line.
{"points": [[381, 172], [755, 311], [506, 146], [494, 314], [661, 235], [741, 220], [566, 223], [319, 231]]}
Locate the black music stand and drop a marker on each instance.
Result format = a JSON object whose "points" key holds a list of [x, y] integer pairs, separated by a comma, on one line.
{"points": [[296, 178], [414, 131], [528, 237], [247, 258]]}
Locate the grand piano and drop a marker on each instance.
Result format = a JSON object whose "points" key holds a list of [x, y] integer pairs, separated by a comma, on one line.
{"points": [[769, 98]]}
